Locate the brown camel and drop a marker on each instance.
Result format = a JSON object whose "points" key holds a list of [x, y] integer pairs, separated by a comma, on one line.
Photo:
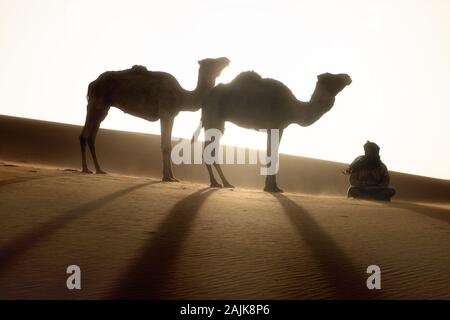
{"points": [[256, 103], [149, 95]]}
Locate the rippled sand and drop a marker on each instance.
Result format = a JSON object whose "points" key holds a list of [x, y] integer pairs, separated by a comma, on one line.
{"points": [[136, 237]]}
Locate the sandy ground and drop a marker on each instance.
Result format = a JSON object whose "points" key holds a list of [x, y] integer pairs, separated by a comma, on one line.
{"points": [[135, 237], [56, 144]]}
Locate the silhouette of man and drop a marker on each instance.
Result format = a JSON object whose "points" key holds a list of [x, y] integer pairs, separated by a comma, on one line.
{"points": [[369, 176]]}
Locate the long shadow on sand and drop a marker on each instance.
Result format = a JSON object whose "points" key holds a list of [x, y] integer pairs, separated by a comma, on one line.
{"points": [[23, 179], [348, 281], [429, 211], [20, 245], [148, 276]]}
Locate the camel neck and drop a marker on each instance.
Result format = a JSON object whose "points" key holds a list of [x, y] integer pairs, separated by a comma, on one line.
{"points": [[193, 99], [306, 113]]}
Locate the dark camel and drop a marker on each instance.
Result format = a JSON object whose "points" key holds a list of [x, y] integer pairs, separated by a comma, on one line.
{"points": [[149, 95], [256, 103]]}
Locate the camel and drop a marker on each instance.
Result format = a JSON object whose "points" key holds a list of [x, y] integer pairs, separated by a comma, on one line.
{"points": [[149, 95], [253, 102]]}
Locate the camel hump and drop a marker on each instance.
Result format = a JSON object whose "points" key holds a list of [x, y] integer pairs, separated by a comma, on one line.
{"points": [[247, 76], [140, 68]]}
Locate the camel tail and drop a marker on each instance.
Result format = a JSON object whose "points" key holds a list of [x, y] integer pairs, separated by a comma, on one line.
{"points": [[89, 91], [197, 132]]}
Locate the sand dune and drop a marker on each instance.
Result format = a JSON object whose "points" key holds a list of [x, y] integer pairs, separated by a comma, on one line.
{"points": [[136, 237], [56, 144]]}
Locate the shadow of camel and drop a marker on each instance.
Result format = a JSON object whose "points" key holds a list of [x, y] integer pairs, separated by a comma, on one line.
{"points": [[348, 281], [429, 211], [23, 179], [148, 276], [21, 244]]}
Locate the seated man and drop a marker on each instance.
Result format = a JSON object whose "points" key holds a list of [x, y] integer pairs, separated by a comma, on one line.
{"points": [[369, 177]]}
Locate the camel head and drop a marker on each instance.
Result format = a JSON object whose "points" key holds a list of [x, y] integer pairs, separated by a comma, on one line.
{"points": [[327, 87], [212, 68], [333, 83]]}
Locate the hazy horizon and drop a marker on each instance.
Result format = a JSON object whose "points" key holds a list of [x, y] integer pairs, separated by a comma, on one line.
{"points": [[397, 53]]}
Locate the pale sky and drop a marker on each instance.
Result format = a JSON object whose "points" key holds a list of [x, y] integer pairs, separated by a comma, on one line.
{"points": [[396, 51]]}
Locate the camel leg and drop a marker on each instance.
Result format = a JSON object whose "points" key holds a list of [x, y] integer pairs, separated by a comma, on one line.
{"points": [[83, 138], [212, 179], [91, 140], [271, 180], [84, 166], [225, 182], [166, 147], [93, 119]]}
